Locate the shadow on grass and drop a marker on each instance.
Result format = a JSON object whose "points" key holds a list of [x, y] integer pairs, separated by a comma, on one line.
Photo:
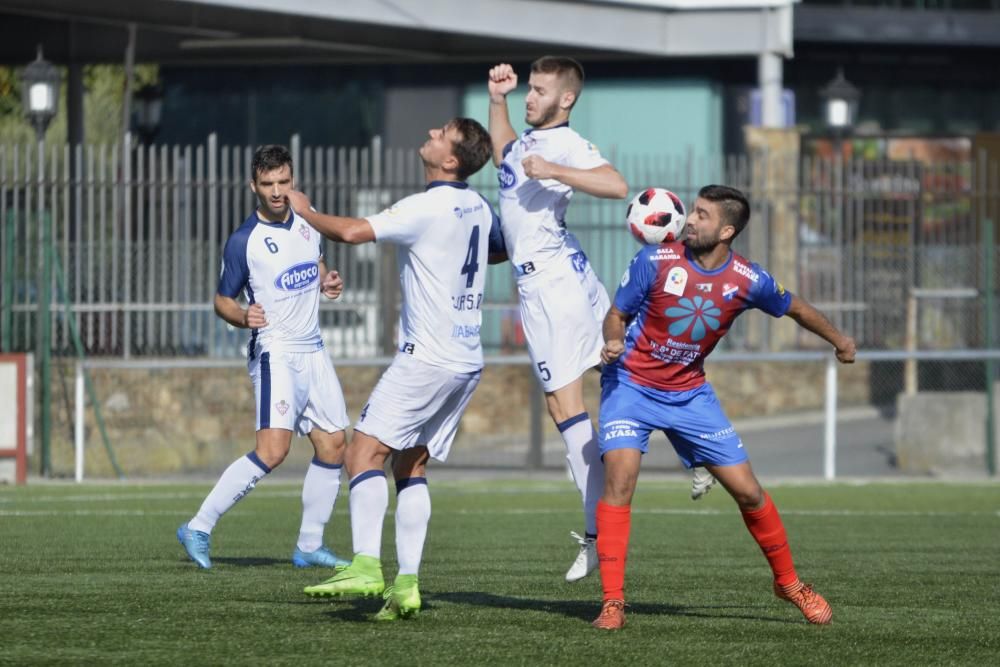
{"points": [[251, 562], [362, 610]]}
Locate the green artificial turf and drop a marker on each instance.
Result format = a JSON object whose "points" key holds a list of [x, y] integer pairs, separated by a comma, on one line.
{"points": [[94, 575]]}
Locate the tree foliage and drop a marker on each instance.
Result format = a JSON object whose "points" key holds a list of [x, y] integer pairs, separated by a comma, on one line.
{"points": [[104, 91]]}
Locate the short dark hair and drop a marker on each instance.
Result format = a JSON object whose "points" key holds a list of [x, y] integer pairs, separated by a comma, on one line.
{"points": [[734, 205], [568, 69], [269, 158], [473, 150]]}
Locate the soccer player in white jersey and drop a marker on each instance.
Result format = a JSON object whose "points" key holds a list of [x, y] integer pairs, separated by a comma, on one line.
{"points": [[443, 238], [562, 301], [275, 258]]}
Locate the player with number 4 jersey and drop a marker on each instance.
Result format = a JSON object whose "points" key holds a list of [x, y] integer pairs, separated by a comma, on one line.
{"points": [[443, 236]]}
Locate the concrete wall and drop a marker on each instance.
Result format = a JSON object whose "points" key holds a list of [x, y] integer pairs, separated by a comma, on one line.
{"points": [[168, 422], [941, 431]]}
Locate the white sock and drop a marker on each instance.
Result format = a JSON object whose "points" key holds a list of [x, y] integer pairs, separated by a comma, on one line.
{"points": [[319, 494], [238, 480], [584, 459], [369, 501], [413, 513]]}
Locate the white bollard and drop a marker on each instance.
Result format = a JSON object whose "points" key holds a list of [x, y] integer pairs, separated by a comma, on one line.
{"points": [[78, 433], [830, 424]]}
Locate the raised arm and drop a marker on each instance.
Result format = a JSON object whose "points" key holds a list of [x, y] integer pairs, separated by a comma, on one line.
{"points": [[501, 81], [614, 335], [812, 320], [336, 227]]}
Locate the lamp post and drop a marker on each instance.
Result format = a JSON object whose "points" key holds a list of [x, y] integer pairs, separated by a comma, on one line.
{"points": [[41, 81], [41, 101], [840, 106], [148, 111]]}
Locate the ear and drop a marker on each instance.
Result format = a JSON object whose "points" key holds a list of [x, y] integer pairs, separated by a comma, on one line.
{"points": [[450, 164], [727, 233], [253, 185], [567, 99]]}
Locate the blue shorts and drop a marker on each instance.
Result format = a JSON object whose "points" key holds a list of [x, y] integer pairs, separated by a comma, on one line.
{"points": [[692, 420]]}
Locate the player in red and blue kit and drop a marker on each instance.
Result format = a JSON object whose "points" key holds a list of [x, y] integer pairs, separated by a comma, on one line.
{"points": [[674, 304]]}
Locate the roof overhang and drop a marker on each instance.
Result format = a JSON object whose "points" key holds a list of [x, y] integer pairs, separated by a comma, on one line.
{"points": [[363, 31]]}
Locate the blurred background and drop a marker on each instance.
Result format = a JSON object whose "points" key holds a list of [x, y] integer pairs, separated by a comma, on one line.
{"points": [[865, 132]]}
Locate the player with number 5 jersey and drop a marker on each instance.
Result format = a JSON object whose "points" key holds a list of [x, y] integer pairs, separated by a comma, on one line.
{"points": [[562, 302], [443, 236]]}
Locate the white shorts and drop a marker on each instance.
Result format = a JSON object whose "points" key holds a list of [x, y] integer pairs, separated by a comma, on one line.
{"points": [[415, 404], [297, 391], [562, 312]]}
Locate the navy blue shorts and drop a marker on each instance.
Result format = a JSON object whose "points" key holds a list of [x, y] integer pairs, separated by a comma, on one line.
{"points": [[692, 420]]}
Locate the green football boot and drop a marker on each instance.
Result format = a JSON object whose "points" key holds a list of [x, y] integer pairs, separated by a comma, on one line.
{"points": [[402, 599], [362, 577]]}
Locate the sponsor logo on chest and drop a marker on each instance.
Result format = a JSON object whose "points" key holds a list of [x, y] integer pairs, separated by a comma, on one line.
{"points": [[297, 277]]}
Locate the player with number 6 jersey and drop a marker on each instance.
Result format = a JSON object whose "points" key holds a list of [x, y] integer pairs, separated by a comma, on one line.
{"points": [[274, 258], [443, 237]]}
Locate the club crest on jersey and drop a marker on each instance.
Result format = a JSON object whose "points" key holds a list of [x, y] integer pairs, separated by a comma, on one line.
{"points": [[729, 291], [297, 277], [282, 407], [457, 211], [304, 231], [506, 177], [676, 281]]}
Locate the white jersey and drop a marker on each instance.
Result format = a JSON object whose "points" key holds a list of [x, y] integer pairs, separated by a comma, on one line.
{"points": [[443, 234], [276, 265], [532, 212]]}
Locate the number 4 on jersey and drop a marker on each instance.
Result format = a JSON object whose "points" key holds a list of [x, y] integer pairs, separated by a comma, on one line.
{"points": [[471, 265]]}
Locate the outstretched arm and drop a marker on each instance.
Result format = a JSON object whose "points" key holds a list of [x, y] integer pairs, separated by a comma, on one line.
{"points": [[812, 320], [603, 181], [338, 228], [614, 335], [502, 80]]}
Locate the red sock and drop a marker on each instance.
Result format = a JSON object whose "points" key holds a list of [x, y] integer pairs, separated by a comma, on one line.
{"points": [[766, 527], [614, 522]]}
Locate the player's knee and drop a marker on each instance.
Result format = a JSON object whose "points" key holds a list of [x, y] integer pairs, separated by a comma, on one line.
{"points": [[749, 499], [272, 457]]}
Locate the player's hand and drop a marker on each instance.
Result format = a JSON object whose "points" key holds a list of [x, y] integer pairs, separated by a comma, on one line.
{"points": [[254, 318], [333, 285], [538, 168], [502, 80], [612, 350], [846, 351], [298, 201]]}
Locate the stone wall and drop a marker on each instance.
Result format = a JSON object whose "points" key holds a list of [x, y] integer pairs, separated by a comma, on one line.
{"points": [[177, 421]]}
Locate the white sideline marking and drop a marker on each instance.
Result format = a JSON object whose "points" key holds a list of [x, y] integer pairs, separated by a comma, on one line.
{"points": [[92, 513]]}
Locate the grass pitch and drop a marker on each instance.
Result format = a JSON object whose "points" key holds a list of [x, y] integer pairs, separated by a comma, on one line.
{"points": [[94, 575]]}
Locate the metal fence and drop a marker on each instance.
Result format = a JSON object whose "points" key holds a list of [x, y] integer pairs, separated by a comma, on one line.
{"points": [[892, 251]]}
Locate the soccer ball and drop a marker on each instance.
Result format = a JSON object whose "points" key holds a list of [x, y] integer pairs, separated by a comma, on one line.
{"points": [[656, 216]]}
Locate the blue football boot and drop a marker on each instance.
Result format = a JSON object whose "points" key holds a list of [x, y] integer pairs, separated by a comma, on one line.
{"points": [[196, 544], [322, 557]]}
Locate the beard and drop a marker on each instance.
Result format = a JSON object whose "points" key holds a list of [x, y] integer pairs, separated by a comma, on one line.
{"points": [[545, 116], [699, 245]]}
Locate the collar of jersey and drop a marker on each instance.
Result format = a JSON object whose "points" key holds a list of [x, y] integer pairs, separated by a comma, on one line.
{"points": [[706, 272], [286, 225], [461, 185], [554, 127]]}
